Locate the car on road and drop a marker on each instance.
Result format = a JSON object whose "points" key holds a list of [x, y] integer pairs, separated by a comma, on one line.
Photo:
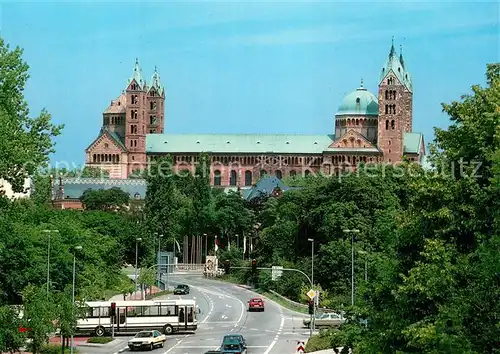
{"points": [[325, 320], [147, 340], [232, 345], [256, 304], [181, 289], [238, 337]]}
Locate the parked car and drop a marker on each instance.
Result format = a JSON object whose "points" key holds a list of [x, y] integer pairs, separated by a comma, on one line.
{"points": [[256, 304], [237, 337], [147, 340], [181, 289], [325, 320]]}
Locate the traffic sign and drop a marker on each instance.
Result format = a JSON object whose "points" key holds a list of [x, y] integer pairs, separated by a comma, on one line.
{"points": [[311, 293], [276, 272], [300, 347]]}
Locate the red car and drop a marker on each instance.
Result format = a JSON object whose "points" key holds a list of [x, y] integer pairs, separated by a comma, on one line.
{"points": [[256, 304]]}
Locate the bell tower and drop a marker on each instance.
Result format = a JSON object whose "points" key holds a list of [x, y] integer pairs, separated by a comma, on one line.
{"points": [[395, 98], [135, 120], [155, 106]]}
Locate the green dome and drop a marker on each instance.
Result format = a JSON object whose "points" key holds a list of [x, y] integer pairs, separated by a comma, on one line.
{"points": [[360, 102]]}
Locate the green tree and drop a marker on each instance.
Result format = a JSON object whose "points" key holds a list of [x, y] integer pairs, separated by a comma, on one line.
{"points": [[105, 199], [26, 142], [38, 316], [66, 313], [11, 339]]}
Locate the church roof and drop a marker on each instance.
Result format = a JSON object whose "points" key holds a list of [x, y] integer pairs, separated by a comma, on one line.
{"points": [[359, 102], [156, 83], [115, 137], [137, 76], [396, 65], [75, 186], [258, 144], [265, 187], [117, 106]]}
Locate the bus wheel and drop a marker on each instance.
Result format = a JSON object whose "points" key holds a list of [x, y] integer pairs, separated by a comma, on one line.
{"points": [[168, 329], [99, 331]]}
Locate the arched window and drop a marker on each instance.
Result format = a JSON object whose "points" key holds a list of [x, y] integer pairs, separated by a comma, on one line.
{"points": [[248, 178], [293, 173], [263, 173], [232, 178], [278, 174], [217, 178], [393, 124], [387, 125]]}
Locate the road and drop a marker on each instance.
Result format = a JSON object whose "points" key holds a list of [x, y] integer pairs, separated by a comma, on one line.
{"points": [[224, 311]]}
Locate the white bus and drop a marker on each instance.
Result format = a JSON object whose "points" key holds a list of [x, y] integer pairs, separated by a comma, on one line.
{"points": [[167, 316]]}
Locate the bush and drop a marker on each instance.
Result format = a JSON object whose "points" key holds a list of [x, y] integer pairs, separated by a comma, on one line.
{"points": [[100, 340], [54, 349], [317, 342]]}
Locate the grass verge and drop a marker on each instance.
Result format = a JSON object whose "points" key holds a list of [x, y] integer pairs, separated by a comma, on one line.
{"points": [[318, 342], [283, 303], [100, 340], [158, 294]]}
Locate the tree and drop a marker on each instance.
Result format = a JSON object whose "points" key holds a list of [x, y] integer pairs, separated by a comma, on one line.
{"points": [[11, 339], [105, 199], [26, 142], [38, 316], [66, 313]]}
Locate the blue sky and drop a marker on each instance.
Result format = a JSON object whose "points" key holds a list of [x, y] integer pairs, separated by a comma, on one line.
{"points": [[241, 67]]}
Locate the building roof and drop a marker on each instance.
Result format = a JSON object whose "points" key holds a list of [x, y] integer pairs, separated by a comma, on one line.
{"points": [[238, 143], [137, 76], [359, 102], [117, 106], [75, 186], [259, 144], [156, 84], [265, 187], [412, 143], [396, 65], [115, 137]]}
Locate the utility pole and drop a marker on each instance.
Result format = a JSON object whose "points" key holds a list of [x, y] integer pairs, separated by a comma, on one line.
{"points": [[352, 232]]}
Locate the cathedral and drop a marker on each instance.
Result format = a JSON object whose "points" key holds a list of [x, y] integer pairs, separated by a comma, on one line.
{"points": [[367, 128]]}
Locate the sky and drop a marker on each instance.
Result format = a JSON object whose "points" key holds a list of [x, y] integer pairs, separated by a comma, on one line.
{"points": [[244, 67]]}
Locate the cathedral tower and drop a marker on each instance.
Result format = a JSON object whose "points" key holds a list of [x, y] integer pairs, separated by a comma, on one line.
{"points": [[395, 97]]}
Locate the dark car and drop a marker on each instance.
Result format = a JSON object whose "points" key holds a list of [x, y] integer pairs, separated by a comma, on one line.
{"points": [[238, 337], [232, 345], [181, 289]]}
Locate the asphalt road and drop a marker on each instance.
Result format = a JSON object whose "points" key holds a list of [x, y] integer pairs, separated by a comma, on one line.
{"points": [[224, 311]]}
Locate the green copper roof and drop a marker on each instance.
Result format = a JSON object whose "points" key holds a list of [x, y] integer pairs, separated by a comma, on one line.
{"points": [[237, 143], [412, 142], [359, 102], [397, 66], [155, 82], [115, 137], [137, 76]]}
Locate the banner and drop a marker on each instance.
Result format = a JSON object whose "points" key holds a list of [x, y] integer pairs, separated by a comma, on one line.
{"points": [[216, 244], [244, 244]]}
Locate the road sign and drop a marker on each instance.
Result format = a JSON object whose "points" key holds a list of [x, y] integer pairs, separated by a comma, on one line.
{"points": [[276, 272], [300, 347], [311, 293]]}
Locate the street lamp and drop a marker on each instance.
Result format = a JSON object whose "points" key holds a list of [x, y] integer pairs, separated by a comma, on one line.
{"points": [[48, 256], [364, 253], [312, 281], [137, 240], [206, 246], [352, 232], [77, 248]]}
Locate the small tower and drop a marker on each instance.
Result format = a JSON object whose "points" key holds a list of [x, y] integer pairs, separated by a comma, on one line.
{"points": [[135, 118], [155, 106], [395, 98]]}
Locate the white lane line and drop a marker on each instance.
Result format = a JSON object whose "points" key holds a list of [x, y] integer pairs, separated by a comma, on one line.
{"points": [[176, 344], [273, 343]]}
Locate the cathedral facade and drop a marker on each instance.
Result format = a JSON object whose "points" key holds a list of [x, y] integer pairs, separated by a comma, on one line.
{"points": [[367, 128]]}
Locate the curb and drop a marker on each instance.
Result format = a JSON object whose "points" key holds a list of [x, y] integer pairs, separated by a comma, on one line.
{"points": [[113, 343]]}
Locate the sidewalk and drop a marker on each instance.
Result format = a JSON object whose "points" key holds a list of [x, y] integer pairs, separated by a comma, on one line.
{"points": [[134, 296]]}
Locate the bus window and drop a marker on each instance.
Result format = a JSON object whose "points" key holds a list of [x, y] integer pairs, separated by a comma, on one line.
{"points": [[181, 315], [190, 314], [104, 311], [167, 310]]}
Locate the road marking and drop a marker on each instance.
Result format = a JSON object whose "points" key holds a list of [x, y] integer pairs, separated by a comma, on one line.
{"points": [[273, 343], [176, 344]]}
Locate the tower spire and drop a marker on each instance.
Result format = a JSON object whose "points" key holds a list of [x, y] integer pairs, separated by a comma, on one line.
{"points": [[401, 56], [393, 51], [361, 82]]}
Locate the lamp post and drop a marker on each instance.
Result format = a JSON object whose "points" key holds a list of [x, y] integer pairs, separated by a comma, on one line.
{"points": [[206, 246], [315, 300], [48, 256], [77, 248], [137, 240], [352, 232]]}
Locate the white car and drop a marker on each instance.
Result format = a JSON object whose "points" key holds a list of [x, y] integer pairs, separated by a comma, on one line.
{"points": [[147, 340]]}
